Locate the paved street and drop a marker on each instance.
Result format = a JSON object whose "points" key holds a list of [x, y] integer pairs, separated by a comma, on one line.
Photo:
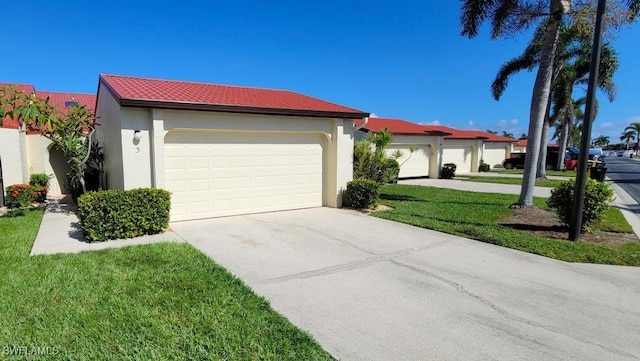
{"points": [[626, 173]]}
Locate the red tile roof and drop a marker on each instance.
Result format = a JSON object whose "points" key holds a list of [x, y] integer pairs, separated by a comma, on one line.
{"points": [[145, 92], [399, 126], [472, 134], [60, 99], [27, 88]]}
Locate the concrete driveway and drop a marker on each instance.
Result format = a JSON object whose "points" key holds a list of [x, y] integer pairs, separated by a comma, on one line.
{"points": [[371, 289]]}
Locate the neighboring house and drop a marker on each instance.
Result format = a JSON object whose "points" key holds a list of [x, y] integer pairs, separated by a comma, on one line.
{"points": [[425, 160], [224, 150], [466, 148], [521, 146], [23, 153]]}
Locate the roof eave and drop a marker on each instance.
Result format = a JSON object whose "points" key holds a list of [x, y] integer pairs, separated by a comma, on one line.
{"points": [[145, 103]]}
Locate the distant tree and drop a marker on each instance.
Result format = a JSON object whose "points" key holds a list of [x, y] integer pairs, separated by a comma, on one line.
{"points": [[601, 141], [627, 137], [635, 129], [523, 136], [507, 134], [491, 131]]}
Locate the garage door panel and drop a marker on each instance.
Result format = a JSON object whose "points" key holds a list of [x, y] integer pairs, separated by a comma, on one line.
{"points": [[414, 164], [213, 175], [460, 156]]}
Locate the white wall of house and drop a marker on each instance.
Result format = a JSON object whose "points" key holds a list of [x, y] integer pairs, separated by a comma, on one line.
{"points": [[465, 153], [43, 158], [424, 161], [108, 133], [493, 153], [10, 154]]}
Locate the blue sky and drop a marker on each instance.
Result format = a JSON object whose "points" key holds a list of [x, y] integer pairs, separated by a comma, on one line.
{"points": [[401, 59]]}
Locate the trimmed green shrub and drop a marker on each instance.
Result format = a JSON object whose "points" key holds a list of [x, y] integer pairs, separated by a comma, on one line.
{"points": [[39, 179], [114, 214], [361, 193], [448, 171], [484, 167], [19, 195], [597, 199]]}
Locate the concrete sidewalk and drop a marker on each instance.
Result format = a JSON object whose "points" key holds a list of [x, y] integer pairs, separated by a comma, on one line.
{"points": [[458, 184], [60, 232]]}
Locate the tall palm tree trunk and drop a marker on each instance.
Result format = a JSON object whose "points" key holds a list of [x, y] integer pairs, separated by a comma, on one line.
{"points": [[539, 101], [562, 141], [542, 159]]}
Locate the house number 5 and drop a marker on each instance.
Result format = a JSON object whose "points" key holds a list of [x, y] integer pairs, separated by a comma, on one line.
{"points": [[137, 149]]}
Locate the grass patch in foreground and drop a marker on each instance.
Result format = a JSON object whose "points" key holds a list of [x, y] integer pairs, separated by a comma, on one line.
{"points": [[155, 302], [476, 215], [552, 183], [559, 173]]}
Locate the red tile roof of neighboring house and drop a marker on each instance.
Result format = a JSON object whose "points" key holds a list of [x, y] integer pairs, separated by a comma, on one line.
{"points": [[399, 126], [145, 92], [27, 88], [472, 134], [61, 99]]}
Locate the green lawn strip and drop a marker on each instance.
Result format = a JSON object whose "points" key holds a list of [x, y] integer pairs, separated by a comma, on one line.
{"points": [[613, 221], [163, 301], [552, 183], [559, 173], [475, 215]]}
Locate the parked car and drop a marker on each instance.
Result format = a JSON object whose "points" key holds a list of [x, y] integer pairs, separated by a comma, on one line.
{"points": [[517, 160]]}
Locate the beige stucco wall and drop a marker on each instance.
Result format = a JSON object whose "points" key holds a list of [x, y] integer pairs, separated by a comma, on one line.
{"points": [[432, 142], [10, 154], [474, 148], [493, 153], [133, 163], [108, 133], [42, 158]]}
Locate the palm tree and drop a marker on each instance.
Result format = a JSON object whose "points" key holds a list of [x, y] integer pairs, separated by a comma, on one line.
{"points": [[635, 129], [508, 17], [628, 136], [601, 141], [571, 67], [507, 134], [491, 131]]}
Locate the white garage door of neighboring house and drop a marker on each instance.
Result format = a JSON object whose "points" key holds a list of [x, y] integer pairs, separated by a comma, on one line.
{"points": [[494, 156], [216, 174], [460, 156], [414, 164]]}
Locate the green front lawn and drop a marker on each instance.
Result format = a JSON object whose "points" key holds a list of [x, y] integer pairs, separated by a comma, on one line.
{"points": [[559, 173], [552, 183], [476, 215], [155, 302]]}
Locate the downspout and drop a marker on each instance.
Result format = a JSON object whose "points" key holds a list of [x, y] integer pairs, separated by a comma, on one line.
{"points": [[358, 127]]}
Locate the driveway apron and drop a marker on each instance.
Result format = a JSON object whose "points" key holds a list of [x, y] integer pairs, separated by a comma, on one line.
{"points": [[372, 289]]}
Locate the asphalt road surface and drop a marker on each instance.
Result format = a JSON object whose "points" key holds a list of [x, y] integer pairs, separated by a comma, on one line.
{"points": [[626, 173]]}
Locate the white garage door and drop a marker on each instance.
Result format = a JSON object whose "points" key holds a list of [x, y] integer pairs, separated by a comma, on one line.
{"points": [[214, 174], [414, 164], [494, 155], [460, 156]]}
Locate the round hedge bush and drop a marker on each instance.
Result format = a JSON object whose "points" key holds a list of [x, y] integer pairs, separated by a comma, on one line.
{"points": [[361, 193], [597, 199]]}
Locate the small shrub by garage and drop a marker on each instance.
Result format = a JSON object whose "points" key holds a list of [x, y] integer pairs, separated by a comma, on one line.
{"points": [[114, 214], [361, 193], [597, 199]]}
